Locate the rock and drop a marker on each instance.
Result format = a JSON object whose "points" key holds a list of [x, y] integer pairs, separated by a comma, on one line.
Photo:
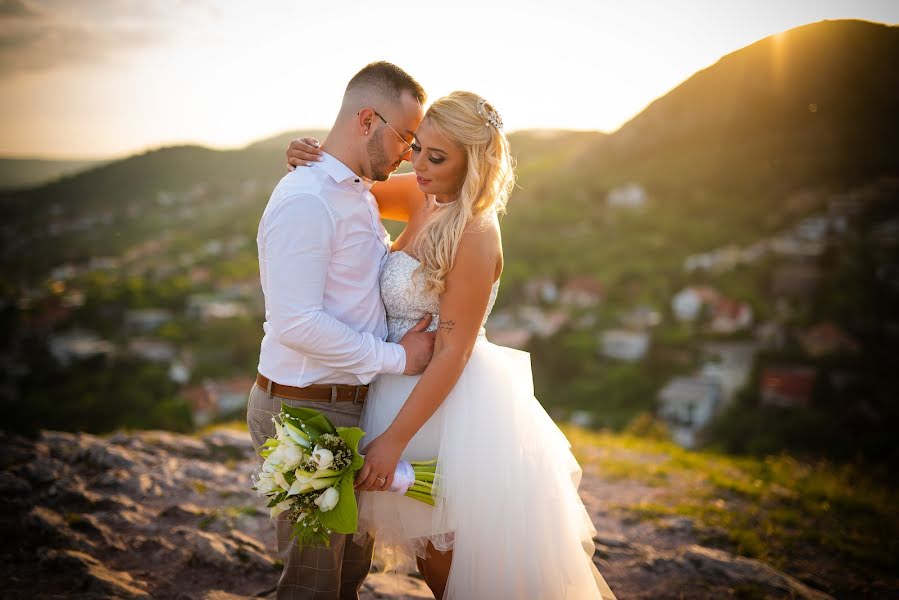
{"points": [[677, 524], [171, 443], [738, 569], [219, 551], [10, 485], [228, 443], [43, 470], [183, 511], [395, 587], [611, 540], [89, 575], [44, 527], [104, 455]]}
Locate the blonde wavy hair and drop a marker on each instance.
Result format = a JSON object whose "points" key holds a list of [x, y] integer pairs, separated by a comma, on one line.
{"points": [[463, 118]]}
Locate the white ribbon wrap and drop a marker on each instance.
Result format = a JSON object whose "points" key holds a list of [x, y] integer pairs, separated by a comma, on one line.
{"points": [[403, 478]]}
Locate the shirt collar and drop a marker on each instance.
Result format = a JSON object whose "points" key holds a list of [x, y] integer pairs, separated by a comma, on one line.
{"points": [[340, 173]]}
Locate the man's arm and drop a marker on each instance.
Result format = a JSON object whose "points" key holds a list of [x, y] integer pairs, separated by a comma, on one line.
{"points": [[298, 236]]}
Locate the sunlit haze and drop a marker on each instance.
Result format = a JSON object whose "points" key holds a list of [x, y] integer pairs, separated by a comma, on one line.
{"points": [[108, 78]]}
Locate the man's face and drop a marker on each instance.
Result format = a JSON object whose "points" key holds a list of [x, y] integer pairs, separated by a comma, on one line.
{"points": [[390, 142]]}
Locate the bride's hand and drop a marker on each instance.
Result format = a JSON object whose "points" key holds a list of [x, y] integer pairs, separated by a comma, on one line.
{"points": [[302, 152], [381, 458]]}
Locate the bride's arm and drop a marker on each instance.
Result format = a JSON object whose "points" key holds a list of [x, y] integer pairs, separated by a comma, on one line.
{"points": [[396, 197], [462, 307]]}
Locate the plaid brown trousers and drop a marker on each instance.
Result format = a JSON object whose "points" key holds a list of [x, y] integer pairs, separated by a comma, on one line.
{"points": [[334, 573]]}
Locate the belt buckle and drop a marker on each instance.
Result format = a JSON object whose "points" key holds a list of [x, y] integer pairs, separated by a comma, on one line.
{"points": [[356, 395]]}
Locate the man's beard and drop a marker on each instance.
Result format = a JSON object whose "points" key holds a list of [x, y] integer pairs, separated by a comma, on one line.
{"points": [[381, 165]]}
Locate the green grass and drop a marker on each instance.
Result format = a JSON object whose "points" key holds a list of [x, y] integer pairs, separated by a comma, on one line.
{"points": [[777, 509]]}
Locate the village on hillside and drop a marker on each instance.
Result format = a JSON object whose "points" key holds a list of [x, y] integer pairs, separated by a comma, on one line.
{"points": [[213, 286]]}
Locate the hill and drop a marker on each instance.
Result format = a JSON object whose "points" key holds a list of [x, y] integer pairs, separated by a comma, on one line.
{"points": [[17, 173]]}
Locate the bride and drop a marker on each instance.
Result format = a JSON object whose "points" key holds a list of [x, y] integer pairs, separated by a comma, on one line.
{"points": [[507, 522]]}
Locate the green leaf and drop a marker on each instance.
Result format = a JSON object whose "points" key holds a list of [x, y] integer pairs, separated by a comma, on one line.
{"points": [[352, 436], [343, 518], [277, 499], [315, 422]]}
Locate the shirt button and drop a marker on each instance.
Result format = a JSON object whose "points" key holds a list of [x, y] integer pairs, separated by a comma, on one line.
{"points": [[356, 180]]}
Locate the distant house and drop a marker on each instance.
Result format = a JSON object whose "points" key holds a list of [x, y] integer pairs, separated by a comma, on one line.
{"points": [[753, 253], [103, 263], [623, 344], [792, 244], [582, 292], [179, 372], [73, 298], [641, 317], [699, 262], [64, 272], [206, 308], [78, 345], [730, 364], [687, 404], [229, 395], [541, 289], [505, 328], [813, 229], [718, 260], [217, 398], [729, 316], [789, 387], [146, 319], [825, 339], [770, 334], [686, 305], [152, 349], [199, 275], [631, 195], [582, 418], [542, 323], [512, 338]]}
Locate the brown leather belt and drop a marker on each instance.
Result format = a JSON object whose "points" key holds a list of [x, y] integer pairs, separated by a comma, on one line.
{"points": [[317, 392]]}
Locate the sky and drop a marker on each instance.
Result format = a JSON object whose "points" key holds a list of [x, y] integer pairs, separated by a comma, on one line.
{"points": [[108, 78]]}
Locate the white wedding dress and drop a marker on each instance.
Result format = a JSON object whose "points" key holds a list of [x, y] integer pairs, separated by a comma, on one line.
{"points": [[507, 501]]}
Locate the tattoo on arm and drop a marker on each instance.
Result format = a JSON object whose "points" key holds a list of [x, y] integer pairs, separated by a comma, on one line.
{"points": [[447, 326]]}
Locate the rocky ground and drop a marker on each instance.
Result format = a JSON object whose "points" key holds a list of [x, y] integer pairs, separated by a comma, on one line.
{"points": [[159, 515]]}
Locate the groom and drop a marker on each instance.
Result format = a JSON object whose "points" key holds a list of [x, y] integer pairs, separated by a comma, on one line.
{"points": [[321, 246]]}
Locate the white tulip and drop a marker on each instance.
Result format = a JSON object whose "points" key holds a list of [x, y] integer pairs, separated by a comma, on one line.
{"points": [[291, 456], [328, 499], [279, 478], [279, 508], [322, 457], [265, 484]]}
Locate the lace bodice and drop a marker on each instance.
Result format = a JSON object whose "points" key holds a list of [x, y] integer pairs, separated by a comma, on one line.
{"points": [[405, 299]]}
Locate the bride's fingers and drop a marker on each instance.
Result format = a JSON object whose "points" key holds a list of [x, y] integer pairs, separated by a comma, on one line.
{"points": [[387, 483], [362, 476]]}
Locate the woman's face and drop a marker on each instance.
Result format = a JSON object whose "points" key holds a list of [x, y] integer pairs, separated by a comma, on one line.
{"points": [[439, 163]]}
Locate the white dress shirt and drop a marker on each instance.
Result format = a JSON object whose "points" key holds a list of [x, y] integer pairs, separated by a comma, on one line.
{"points": [[321, 248]]}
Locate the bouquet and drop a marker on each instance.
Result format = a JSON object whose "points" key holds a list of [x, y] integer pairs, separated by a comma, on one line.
{"points": [[309, 470]]}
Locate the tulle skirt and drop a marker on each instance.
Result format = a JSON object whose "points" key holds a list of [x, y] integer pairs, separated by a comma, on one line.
{"points": [[506, 488]]}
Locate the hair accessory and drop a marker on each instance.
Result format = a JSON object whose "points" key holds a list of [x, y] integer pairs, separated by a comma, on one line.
{"points": [[491, 115]]}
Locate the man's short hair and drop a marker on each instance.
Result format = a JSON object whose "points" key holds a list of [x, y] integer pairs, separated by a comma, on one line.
{"points": [[390, 81]]}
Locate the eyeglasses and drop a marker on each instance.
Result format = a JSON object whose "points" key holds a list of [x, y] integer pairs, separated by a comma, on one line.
{"points": [[408, 146]]}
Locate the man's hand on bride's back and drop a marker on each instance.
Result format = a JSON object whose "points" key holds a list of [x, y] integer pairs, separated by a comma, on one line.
{"points": [[302, 152], [419, 346]]}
